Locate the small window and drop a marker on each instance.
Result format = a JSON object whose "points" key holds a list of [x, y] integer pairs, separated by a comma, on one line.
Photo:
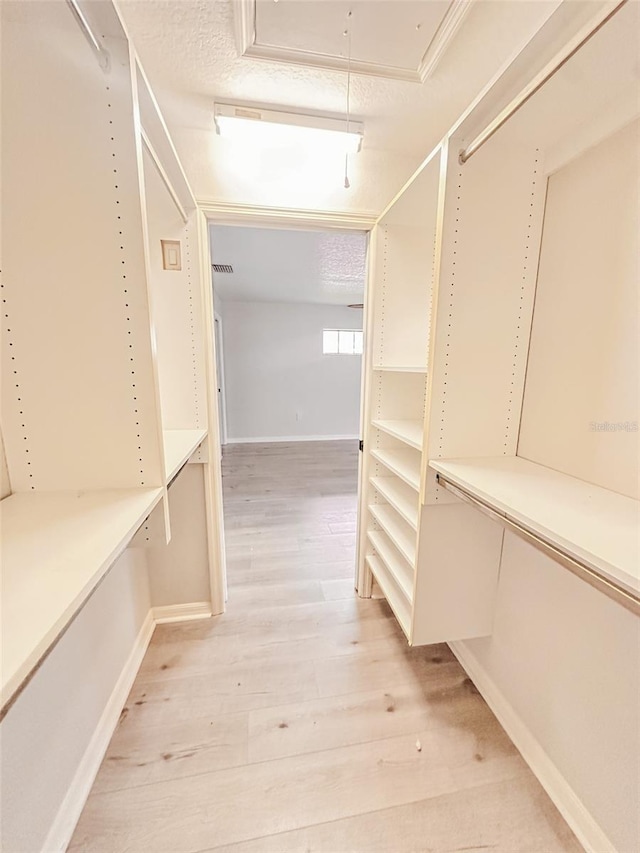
{"points": [[342, 342]]}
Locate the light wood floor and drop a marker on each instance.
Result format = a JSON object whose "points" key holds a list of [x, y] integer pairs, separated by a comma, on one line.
{"points": [[300, 720]]}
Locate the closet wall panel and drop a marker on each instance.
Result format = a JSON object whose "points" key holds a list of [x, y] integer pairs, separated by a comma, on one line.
{"points": [[583, 384], [79, 408]]}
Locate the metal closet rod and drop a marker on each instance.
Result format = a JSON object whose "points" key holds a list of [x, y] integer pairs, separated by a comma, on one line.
{"points": [[98, 48], [571, 48], [605, 585]]}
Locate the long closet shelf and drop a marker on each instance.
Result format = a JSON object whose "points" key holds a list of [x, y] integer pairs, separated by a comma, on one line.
{"points": [[598, 528], [179, 445], [391, 490], [402, 463], [395, 528], [394, 599], [56, 548], [399, 368], [397, 569], [410, 432]]}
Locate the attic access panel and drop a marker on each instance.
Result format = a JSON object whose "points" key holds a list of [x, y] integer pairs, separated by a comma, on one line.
{"points": [[402, 39]]}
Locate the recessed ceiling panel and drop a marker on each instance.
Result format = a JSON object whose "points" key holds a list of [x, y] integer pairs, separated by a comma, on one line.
{"points": [[395, 34], [389, 38]]}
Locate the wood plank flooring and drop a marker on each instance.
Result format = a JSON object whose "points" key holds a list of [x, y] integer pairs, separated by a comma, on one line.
{"points": [[300, 720]]}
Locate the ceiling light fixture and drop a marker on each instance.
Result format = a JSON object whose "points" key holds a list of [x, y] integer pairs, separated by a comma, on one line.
{"points": [[280, 129]]}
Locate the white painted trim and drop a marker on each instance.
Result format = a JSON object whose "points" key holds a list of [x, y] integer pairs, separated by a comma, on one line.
{"points": [[449, 26], [559, 790], [245, 32], [69, 812], [182, 612], [275, 439], [217, 318], [291, 217]]}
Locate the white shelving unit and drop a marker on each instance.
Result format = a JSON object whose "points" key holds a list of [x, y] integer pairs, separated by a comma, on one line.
{"points": [[56, 548], [401, 292], [462, 375], [398, 369], [396, 529], [401, 499], [394, 594], [107, 356], [590, 524], [523, 449], [408, 432], [179, 447], [405, 464]]}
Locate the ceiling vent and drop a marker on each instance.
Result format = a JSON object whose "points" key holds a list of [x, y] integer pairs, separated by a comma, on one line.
{"points": [[222, 267]]}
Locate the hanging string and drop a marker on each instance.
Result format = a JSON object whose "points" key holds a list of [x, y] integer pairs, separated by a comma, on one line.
{"points": [[347, 33]]}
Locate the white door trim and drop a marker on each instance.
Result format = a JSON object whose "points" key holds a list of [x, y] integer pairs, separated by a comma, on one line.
{"points": [[220, 379], [284, 217]]}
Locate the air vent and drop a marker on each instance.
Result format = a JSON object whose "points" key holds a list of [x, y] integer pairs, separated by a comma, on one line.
{"points": [[222, 267]]}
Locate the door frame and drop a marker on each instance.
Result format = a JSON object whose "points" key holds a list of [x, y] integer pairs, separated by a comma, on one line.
{"points": [[217, 322], [220, 213]]}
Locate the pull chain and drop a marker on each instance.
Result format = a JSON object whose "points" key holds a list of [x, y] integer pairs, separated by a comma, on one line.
{"points": [[347, 33]]}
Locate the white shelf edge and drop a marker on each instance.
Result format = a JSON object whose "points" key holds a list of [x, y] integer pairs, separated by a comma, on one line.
{"points": [[399, 607], [27, 511], [400, 368], [405, 584], [381, 455], [408, 552], [403, 430], [545, 525], [409, 514], [179, 445]]}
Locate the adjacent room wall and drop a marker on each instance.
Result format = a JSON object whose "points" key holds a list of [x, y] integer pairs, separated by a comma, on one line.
{"points": [[278, 383]]}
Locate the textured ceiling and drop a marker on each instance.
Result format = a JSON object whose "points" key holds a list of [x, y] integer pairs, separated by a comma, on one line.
{"points": [[272, 265], [189, 52]]}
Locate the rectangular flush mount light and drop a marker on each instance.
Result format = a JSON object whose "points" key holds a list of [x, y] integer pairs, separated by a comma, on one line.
{"points": [[279, 129]]}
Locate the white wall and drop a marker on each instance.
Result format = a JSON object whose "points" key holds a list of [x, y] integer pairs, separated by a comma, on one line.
{"points": [[561, 671], [278, 383], [46, 734], [584, 357]]}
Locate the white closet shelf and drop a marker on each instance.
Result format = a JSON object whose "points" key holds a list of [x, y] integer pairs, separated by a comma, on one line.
{"points": [[56, 548], [396, 568], [592, 525], [410, 432], [409, 368], [395, 528], [402, 463], [391, 490], [179, 445], [388, 587]]}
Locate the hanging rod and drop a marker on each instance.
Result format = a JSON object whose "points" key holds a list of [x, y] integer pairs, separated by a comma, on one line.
{"points": [[609, 587], [163, 175], [97, 47], [571, 48]]}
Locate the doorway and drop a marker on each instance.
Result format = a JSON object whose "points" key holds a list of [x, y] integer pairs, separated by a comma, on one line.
{"points": [[290, 302]]}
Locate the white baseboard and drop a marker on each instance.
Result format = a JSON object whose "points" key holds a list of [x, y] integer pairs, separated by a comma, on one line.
{"points": [[288, 438], [69, 813], [561, 793], [182, 612]]}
